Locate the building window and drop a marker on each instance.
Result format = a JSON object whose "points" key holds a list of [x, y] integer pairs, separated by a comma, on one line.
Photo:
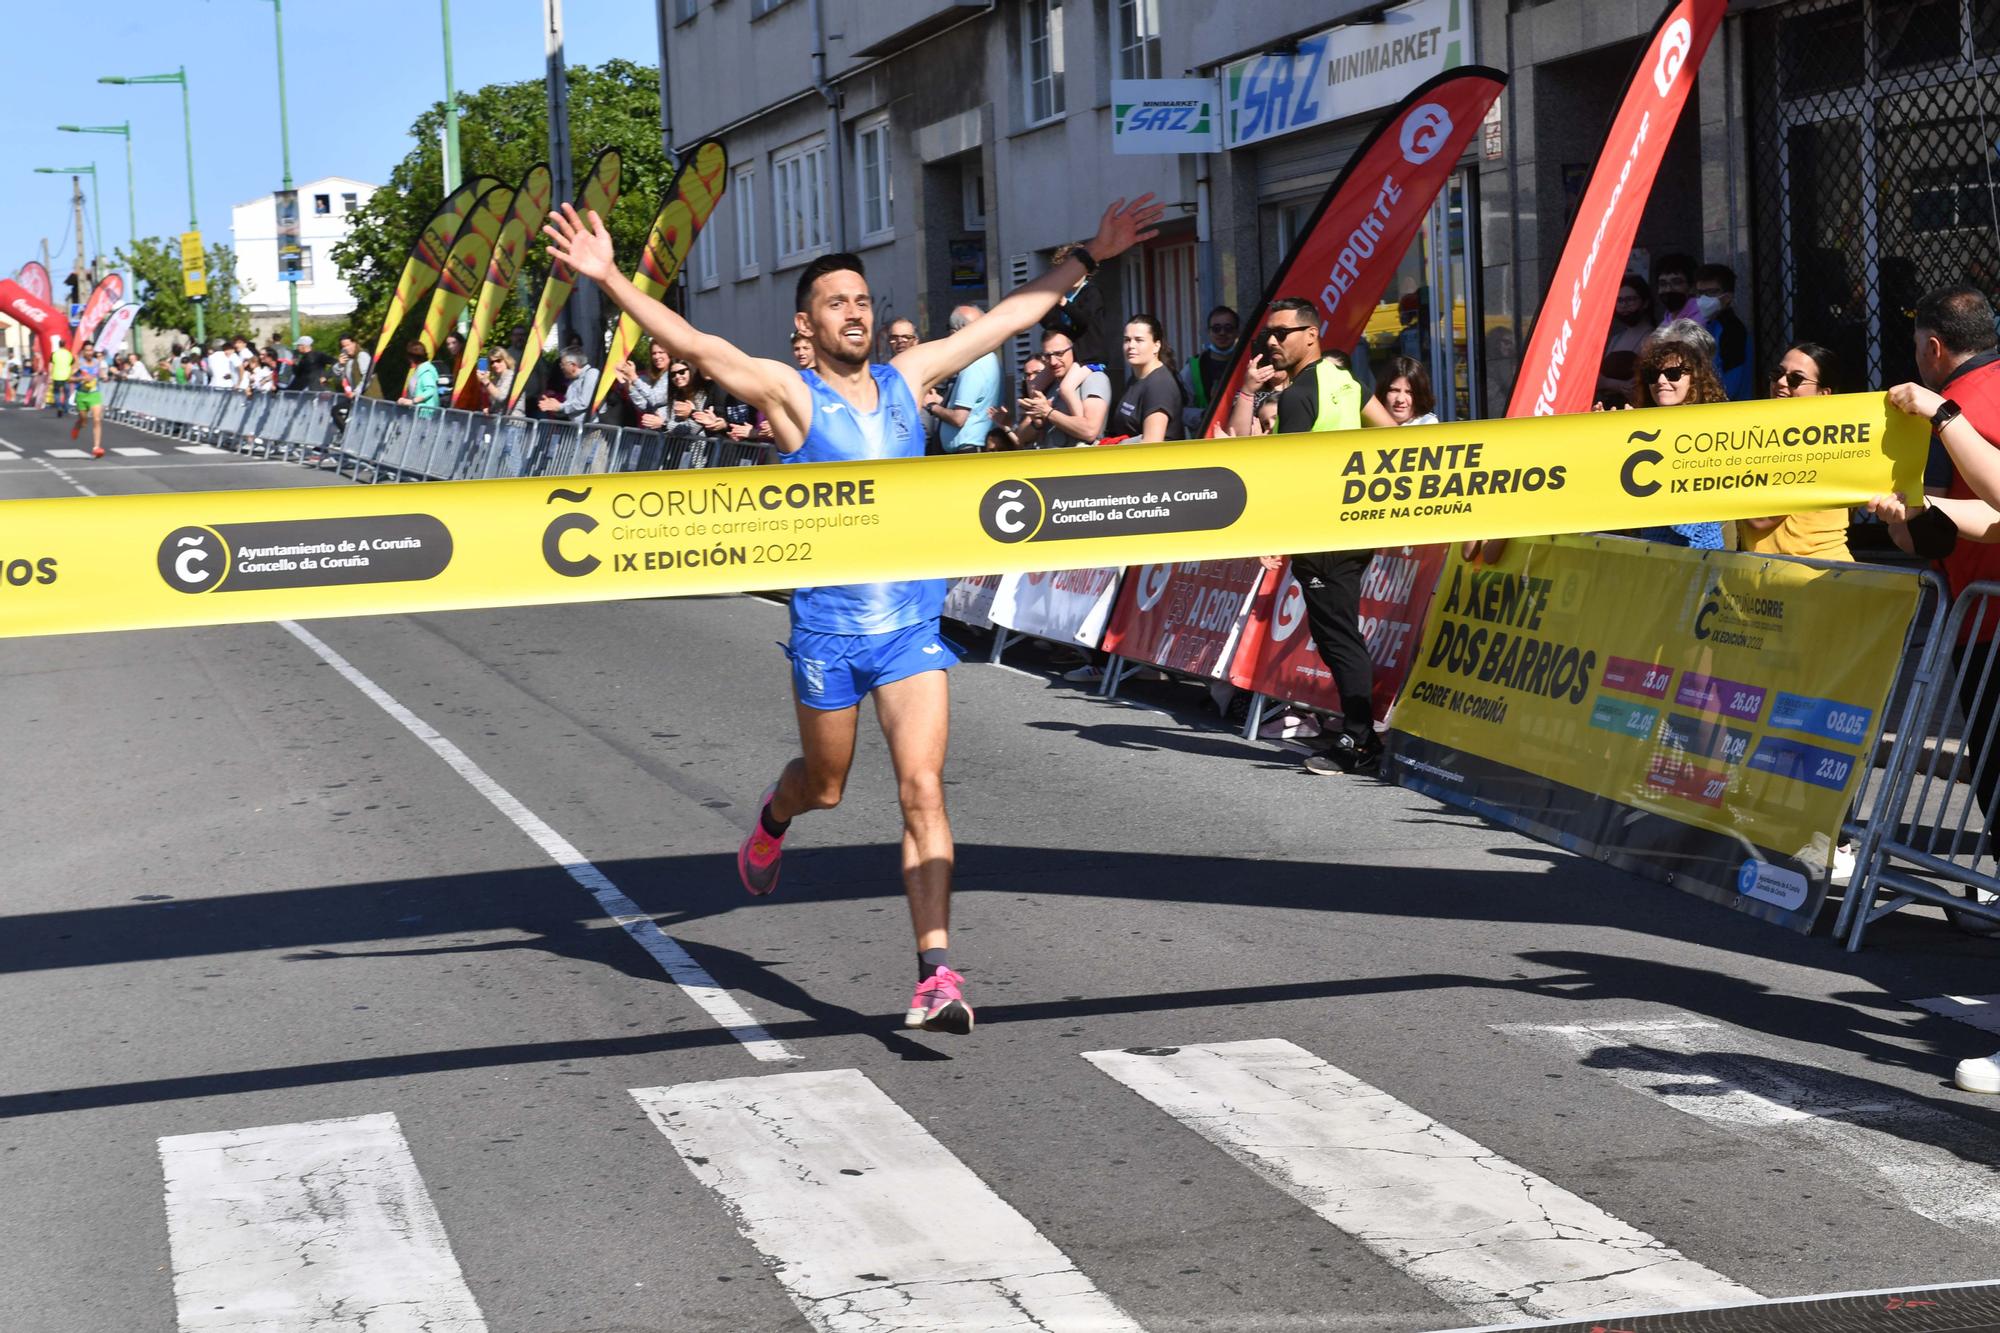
{"points": [[684, 10], [759, 8], [744, 193], [798, 200], [1138, 39], [306, 264], [349, 202], [1042, 60], [322, 205], [706, 265], [972, 195], [878, 191]]}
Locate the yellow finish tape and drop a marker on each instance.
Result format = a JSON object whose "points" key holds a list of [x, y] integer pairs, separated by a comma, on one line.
{"points": [[144, 561]]}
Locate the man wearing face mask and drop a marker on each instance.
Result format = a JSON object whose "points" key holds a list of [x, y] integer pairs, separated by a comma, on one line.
{"points": [[1208, 369], [1673, 284], [1715, 301]]}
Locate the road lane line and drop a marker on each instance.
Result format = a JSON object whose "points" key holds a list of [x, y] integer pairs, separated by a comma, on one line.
{"points": [[1488, 1236], [67, 453], [868, 1221], [323, 1224], [45, 463], [1979, 1011], [685, 972], [134, 451], [1873, 1137]]}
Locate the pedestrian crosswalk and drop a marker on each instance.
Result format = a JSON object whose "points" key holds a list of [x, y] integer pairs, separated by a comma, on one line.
{"points": [[869, 1221], [16, 455]]}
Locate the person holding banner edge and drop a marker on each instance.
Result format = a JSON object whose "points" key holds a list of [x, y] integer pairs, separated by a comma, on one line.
{"points": [[871, 639]]}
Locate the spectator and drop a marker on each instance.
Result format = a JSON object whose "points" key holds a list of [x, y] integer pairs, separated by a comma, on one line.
{"points": [[802, 351], [421, 390], [1406, 393], [260, 374], [1323, 397], [1673, 283], [1081, 400], [964, 414], [309, 368], [448, 358], [1805, 371], [1633, 319], [1004, 426], [357, 366], [499, 379], [1678, 367], [62, 365], [1208, 369], [902, 336], [1715, 294], [1150, 410], [574, 405], [651, 399], [1255, 408]]}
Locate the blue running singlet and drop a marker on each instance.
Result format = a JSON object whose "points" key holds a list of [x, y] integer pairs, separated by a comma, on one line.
{"points": [[839, 433]]}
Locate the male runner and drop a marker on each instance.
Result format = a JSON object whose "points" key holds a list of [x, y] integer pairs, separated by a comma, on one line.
{"points": [[877, 639]]}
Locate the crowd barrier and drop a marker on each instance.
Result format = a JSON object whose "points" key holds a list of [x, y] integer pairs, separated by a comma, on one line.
{"points": [[372, 439]]}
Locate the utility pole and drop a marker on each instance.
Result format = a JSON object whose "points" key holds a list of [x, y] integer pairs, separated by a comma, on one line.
{"points": [[451, 176], [580, 321], [85, 278], [285, 134]]}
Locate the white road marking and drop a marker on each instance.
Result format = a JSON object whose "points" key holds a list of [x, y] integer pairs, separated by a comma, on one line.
{"points": [[870, 1223], [51, 467], [324, 1224], [1875, 1138], [199, 449], [134, 451], [1778, 1300], [1980, 1011], [1490, 1237], [67, 453], [685, 972]]}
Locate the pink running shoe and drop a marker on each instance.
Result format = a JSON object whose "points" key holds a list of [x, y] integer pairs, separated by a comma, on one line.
{"points": [[939, 1004], [757, 859]]}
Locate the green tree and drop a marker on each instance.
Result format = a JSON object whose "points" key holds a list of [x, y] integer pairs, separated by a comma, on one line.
{"points": [[503, 130], [155, 266]]}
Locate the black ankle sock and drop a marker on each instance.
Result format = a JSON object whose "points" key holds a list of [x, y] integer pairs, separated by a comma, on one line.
{"points": [[929, 961], [776, 828]]}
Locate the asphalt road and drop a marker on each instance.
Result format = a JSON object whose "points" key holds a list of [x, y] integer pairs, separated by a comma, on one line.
{"points": [[243, 895]]}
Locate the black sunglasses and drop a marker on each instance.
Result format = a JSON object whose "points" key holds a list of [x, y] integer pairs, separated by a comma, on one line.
{"points": [[1280, 332], [1222, 328], [1791, 379], [1671, 374]]}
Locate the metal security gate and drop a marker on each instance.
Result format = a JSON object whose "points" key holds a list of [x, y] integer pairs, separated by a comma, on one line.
{"points": [[1874, 144]]}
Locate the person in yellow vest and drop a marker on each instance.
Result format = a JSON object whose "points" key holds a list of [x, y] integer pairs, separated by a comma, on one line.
{"points": [[1323, 396], [61, 366], [1804, 371]]}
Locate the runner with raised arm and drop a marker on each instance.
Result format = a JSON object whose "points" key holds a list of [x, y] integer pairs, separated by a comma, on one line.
{"points": [[877, 639]]}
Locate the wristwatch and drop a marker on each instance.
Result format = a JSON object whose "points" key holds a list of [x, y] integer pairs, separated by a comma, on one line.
{"points": [[1083, 257], [1947, 412]]}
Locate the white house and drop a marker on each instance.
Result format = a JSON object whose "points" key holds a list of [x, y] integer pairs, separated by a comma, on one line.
{"points": [[324, 205]]}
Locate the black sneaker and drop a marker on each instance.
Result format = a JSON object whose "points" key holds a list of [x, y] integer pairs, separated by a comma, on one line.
{"points": [[1346, 753]]}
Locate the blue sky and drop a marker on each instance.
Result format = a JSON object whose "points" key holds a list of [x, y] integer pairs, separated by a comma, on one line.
{"points": [[357, 72]]}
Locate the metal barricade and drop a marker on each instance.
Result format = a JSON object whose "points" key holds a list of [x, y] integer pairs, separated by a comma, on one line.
{"points": [[1929, 839], [367, 435]]}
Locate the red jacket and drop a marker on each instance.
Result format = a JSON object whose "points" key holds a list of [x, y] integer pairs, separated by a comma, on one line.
{"points": [[1977, 392]]}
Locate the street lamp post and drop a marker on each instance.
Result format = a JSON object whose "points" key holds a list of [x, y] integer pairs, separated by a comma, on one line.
{"points": [[450, 106], [285, 142], [179, 76], [131, 204], [96, 209]]}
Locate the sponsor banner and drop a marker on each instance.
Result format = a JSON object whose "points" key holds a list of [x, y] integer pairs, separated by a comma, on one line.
{"points": [[24, 307], [697, 185], [1183, 617], [1674, 712], [111, 338], [34, 279], [1364, 224], [465, 266], [1343, 71], [599, 195], [1278, 657], [1559, 364], [735, 529], [1068, 605], [427, 256], [104, 298], [969, 600], [524, 219], [1165, 116], [194, 267], [291, 254]]}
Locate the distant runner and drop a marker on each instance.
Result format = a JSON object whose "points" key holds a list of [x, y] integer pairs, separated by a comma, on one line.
{"points": [[877, 639]]}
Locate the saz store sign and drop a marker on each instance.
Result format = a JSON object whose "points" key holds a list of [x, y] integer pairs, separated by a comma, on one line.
{"points": [[1343, 71], [1165, 116]]}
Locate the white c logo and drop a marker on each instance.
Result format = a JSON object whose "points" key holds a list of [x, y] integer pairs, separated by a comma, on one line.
{"points": [[1007, 517], [185, 563], [1675, 44], [1291, 609], [1153, 580], [1424, 133]]}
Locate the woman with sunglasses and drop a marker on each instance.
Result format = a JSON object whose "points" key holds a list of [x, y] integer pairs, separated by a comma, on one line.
{"points": [[1805, 371], [1675, 369]]}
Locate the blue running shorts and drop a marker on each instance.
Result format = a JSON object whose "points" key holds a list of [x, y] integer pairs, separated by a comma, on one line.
{"points": [[835, 671]]}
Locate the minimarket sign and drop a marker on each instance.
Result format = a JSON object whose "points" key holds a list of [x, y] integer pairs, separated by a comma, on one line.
{"points": [[1343, 71]]}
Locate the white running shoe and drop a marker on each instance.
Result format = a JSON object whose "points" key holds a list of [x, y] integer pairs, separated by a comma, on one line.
{"points": [[1843, 865], [1979, 1074], [1084, 673]]}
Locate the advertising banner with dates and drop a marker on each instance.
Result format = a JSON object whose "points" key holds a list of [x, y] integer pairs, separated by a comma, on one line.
{"points": [[1697, 717], [148, 561]]}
